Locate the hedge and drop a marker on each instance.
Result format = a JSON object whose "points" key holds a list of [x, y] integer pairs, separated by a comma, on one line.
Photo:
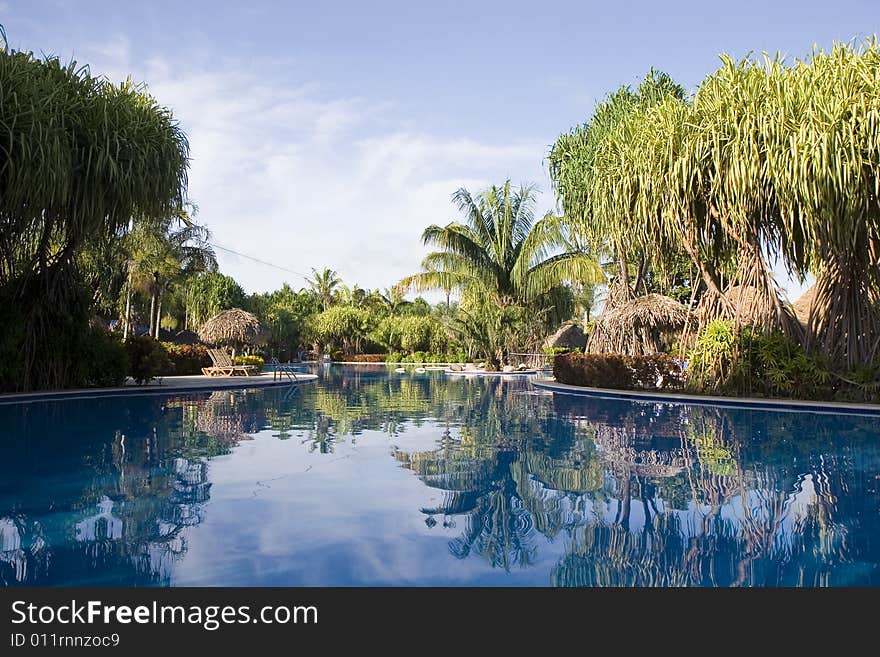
{"points": [[186, 358], [255, 361], [654, 372], [365, 358]]}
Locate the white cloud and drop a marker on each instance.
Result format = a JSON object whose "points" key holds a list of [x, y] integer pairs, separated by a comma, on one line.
{"points": [[300, 178], [296, 176]]}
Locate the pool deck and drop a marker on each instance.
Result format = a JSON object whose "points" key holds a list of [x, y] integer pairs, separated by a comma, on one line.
{"points": [[167, 385], [755, 403]]}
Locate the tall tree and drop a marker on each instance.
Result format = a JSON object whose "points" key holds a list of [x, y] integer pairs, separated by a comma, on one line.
{"points": [[323, 285], [207, 294], [80, 156], [592, 172], [500, 250]]}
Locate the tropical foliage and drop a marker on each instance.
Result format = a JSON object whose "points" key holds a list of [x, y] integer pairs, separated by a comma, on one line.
{"points": [[673, 205], [765, 158], [80, 157], [500, 250]]}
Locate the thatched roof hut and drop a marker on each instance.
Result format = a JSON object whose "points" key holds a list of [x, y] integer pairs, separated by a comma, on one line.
{"points": [[645, 325], [749, 306], [803, 305], [234, 327], [570, 335]]}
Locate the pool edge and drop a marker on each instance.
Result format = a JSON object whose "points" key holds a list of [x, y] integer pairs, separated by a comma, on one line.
{"points": [[786, 405]]}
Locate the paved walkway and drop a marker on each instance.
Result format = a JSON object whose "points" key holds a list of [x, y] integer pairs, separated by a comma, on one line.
{"points": [[788, 405], [167, 385]]}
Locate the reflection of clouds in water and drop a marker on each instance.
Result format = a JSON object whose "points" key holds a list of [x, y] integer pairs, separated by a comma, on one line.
{"points": [[101, 526], [11, 552], [10, 540]]}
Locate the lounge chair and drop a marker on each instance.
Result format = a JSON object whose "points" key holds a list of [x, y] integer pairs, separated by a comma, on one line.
{"points": [[223, 365]]}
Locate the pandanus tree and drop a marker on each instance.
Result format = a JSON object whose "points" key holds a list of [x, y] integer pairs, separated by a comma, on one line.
{"points": [[823, 155], [766, 158], [598, 172], [79, 156], [499, 251], [785, 159]]}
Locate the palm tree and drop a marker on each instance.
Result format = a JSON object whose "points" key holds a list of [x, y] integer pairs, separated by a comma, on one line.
{"points": [[323, 285], [163, 252], [392, 300], [501, 251]]}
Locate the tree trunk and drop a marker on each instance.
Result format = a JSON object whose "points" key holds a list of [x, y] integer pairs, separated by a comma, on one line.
{"points": [[158, 314], [127, 319], [152, 310], [640, 274]]}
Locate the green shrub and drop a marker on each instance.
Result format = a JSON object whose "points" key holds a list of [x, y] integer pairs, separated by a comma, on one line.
{"points": [[103, 359], [366, 358], [711, 361], [751, 362], [653, 372], [186, 358], [256, 361], [455, 356], [147, 358]]}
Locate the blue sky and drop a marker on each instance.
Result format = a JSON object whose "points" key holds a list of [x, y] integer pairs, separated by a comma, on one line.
{"points": [[331, 133]]}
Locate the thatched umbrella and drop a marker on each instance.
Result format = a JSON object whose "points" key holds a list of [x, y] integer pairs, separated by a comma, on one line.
{"points": [[570, 335], [645, 325], [234, 327]]}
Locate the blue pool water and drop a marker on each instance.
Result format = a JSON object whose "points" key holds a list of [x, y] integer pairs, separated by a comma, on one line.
{"points": [[366, 478]]}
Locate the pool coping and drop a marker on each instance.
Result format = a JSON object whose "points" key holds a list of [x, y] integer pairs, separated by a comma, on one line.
{"points": [[754, 403], [206, 384], [489, 373]]}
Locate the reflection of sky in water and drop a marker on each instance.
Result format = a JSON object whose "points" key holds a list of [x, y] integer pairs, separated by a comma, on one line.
{"points": [[371, 479]]}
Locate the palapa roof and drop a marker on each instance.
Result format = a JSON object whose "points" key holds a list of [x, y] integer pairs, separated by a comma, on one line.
{"points": [[232, 326], [570, 334], [750, 306], [802, 306], [640, 326]]}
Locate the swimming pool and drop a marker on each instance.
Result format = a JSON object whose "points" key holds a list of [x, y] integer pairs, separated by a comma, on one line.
{"points": [[369, 478]]}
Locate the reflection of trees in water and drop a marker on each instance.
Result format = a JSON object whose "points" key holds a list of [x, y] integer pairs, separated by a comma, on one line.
{"points": [[358, 401], [497, 445], [660, 494], [497, 527], [643, 494], [121, 485]]}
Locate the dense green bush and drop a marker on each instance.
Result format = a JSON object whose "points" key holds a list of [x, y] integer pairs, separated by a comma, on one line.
{"points": [[147, 358], [454, 356], [86, 356], [103, 359], [711, 361], [186, 358], [556, 351], [653, 372], [341, 328], [256, 361], [749, 362]]}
